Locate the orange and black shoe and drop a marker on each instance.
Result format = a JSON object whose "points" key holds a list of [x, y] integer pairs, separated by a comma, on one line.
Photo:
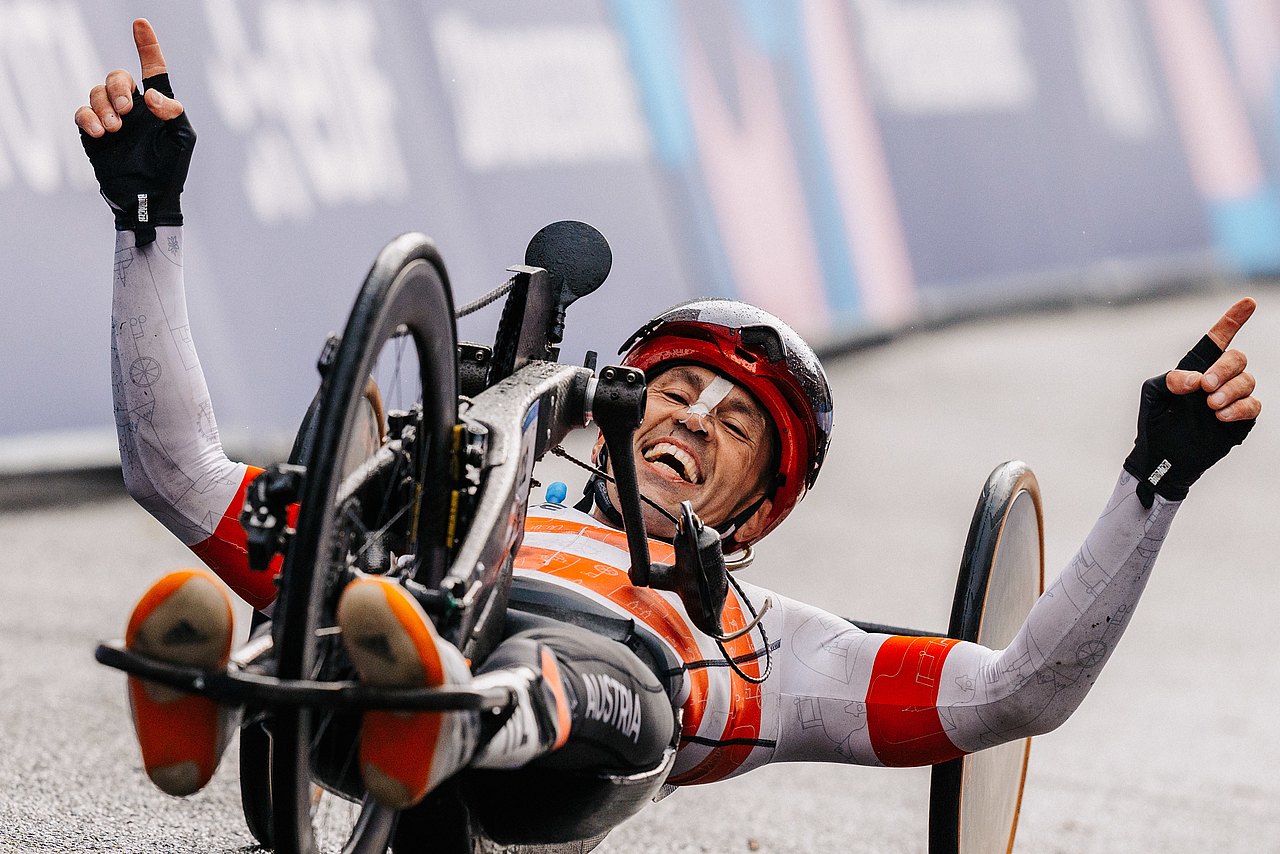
{"points": [[185, 618], [391, 641]]}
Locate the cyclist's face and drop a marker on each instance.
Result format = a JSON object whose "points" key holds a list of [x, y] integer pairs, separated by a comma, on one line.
{"points": [[718, 462]]}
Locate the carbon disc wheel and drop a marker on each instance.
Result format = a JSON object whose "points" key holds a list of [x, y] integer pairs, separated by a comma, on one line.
{"points": [[975, 800]]}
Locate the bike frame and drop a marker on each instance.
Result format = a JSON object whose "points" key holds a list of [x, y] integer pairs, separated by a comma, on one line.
{"points": [[521, 417]]}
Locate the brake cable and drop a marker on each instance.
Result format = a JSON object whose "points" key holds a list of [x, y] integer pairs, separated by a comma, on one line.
{"points": [[559, 451], [757, 622]]}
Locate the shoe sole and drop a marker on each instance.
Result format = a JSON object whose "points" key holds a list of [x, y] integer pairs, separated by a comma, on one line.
{"points": [[184, 619], [390, 640]]}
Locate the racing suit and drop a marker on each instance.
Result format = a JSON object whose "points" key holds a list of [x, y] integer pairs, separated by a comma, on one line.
{"points": [[835, 693]]}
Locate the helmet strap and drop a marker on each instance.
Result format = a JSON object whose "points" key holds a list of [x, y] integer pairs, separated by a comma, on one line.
{"points": [[728, 528], [597, 492]]}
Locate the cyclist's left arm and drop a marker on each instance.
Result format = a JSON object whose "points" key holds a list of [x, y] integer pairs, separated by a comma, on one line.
{"points": [[845, 695]]}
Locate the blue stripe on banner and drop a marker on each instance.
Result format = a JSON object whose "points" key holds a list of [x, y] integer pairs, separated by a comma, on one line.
{"points": [[716, 278], [653, 35], [778, 27], [766, 25], [652, 31], [1247, 231]]}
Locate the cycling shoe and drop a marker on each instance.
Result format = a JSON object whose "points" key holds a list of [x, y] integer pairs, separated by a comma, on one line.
{"points": [[391, 641], [185, 618]]}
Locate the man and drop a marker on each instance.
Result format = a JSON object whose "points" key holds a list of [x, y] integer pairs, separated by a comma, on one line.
{"points": [[738, 422]]}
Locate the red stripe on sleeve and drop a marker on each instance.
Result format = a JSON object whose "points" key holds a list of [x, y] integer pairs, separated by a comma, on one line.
{"points": [[227, 552], [902, 699]]}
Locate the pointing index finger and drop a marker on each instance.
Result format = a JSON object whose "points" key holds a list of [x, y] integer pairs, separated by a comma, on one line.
{"points": [[148, 49], [1229, 324]]}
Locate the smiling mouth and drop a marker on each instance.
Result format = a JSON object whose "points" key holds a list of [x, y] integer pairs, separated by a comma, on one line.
{"points": [[676, 459]]}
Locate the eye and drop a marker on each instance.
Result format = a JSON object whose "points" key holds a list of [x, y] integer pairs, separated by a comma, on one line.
{"points": [[736, 430], [675, 396]]}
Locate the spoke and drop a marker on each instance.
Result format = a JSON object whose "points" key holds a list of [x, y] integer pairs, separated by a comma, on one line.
{"points": [[372, 536], [370, 540], [333, 819], [350, 516], [318, 730], [398, 346]]}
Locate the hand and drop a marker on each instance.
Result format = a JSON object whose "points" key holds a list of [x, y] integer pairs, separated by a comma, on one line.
{"points": [[140, 156], [1192, 417], [1228, 385]]}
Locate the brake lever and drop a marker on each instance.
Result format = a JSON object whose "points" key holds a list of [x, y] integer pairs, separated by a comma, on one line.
{"points": [[699, 576], [265, 514]]}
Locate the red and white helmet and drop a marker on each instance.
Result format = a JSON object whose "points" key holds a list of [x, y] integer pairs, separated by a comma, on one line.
{"points": [[766, 357]]}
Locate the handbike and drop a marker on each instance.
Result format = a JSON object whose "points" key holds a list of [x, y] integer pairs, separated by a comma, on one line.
{"points": [[434, 493]]}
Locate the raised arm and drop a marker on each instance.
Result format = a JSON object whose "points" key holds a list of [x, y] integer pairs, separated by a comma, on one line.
{"points": [[173, 463], [846, 695], [1188, 419]]}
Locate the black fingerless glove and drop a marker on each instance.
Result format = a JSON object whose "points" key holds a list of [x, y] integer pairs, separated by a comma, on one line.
{"points": [[1179, 436], [141, 167]]}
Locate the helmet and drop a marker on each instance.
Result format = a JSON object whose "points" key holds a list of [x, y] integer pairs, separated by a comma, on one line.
{"points": [[767, 358]]}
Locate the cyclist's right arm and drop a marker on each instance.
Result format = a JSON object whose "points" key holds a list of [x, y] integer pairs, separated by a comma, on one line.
{"points": [[170, 451]]}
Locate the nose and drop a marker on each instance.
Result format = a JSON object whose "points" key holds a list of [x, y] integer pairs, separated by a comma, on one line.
{"points": [[702, 410], [696, 422]]}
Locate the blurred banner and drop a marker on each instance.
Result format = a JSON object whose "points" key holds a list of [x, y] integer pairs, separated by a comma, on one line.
{"points": [[855, 166]]}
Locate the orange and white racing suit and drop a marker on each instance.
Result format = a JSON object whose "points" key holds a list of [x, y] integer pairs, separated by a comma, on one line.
{"points": [[835, 693]]}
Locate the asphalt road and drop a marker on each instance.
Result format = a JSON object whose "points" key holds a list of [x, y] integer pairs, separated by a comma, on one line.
{"points": [[1175, 750]]}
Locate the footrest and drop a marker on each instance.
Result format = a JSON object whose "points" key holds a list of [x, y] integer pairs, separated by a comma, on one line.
{"points": [[236, 686]]}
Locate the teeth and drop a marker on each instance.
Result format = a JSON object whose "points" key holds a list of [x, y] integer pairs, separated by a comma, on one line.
{"points": [[690, 466]]}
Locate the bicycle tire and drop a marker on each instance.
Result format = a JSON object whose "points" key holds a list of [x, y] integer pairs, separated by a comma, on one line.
{"points": [[405, 296], [255, 736], [975, 800], [255, 772]]}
